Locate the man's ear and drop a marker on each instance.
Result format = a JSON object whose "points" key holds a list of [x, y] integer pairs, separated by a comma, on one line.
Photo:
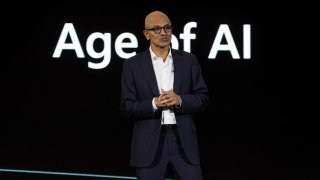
{"points": [[146, 34]]}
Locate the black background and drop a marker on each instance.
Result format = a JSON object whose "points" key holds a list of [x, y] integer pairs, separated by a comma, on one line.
{"points": [[59, 115]]}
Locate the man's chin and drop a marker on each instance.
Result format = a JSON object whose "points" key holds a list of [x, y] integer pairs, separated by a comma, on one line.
{"points": [[163, 45]]}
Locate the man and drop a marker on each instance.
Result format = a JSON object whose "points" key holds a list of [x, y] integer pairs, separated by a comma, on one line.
{"points": [[160, 89]]}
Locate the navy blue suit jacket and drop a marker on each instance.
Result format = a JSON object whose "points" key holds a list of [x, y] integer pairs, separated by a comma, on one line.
{"points": [[139, 87]]}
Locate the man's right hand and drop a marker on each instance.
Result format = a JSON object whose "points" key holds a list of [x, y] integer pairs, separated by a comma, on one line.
{"points": [[158, 101]]}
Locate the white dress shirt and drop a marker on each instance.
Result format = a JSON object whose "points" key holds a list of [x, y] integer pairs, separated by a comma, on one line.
{"points": [[165, 75]]}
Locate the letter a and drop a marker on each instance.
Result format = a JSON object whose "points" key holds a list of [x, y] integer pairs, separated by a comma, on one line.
{"points": [[230, 46], [68, 28]]}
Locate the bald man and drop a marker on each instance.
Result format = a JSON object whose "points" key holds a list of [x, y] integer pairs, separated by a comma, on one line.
{"points": [[161, 88]]}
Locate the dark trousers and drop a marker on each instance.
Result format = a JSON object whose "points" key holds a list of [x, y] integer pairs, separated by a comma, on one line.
{"points": [[170, 154]]}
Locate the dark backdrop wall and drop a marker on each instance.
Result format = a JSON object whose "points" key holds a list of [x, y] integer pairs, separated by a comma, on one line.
{"points": [[59, 115]]}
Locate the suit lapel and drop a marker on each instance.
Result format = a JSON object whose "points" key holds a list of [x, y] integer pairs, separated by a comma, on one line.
{"points": [[149, 73], [176, 64]]}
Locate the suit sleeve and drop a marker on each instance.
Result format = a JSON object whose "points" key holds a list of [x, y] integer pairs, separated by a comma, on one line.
{"points": [[130, 106], [198, 98]]}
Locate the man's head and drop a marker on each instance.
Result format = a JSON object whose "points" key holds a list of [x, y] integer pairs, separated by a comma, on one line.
{"points": [[158, 29]]}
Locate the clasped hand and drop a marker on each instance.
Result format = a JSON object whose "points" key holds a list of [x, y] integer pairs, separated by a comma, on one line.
{"points": [[167, 99]]}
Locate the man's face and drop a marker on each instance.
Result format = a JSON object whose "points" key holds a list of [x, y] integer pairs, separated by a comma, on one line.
{"points": [[158, 31]]}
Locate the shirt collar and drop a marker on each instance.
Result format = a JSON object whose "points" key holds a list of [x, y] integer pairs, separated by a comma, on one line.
{"points": [[155, 57]]}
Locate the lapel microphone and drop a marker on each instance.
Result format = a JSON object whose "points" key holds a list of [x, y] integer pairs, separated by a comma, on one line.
{"points": [[172, 70]]}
